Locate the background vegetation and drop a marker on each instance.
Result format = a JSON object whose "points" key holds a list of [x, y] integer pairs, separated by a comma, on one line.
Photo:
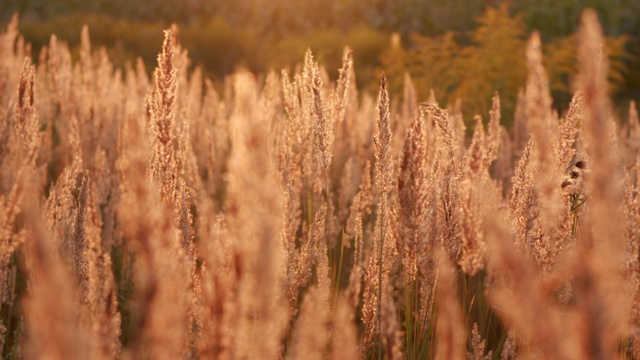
{"points": [[467, 44]]}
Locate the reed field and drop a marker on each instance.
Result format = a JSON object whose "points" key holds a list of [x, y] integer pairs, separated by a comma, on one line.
{"points": [[289, 215]]}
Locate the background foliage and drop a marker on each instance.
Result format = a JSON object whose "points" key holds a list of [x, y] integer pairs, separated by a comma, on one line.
{"points": [[458, 48]]}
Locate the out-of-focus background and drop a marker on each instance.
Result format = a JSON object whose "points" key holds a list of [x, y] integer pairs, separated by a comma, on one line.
{"points": [[465, 49]]}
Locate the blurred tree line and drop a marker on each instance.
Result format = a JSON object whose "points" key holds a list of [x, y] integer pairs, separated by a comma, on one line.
{"points": [[492, 58], [463, 49]]}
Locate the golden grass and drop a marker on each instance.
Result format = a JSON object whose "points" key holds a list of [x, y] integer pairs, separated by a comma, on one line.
{"points": [[292, 217]]}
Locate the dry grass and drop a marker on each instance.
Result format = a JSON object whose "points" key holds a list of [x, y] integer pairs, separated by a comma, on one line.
{"points": [[292, 217]]}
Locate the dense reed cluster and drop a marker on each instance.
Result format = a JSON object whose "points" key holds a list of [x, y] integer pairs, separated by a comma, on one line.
{"points": [[289, 216]]}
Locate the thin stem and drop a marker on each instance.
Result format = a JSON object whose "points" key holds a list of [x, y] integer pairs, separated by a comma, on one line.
{"points": [[382, 223], [339, 268]]}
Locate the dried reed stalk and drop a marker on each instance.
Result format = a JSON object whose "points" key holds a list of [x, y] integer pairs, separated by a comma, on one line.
{"points": [[411, 213], [450, 334], [600, 284], [161, 104], [545, 167], [52, 329], [344, 337], [384, 182], [253, 200]]}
